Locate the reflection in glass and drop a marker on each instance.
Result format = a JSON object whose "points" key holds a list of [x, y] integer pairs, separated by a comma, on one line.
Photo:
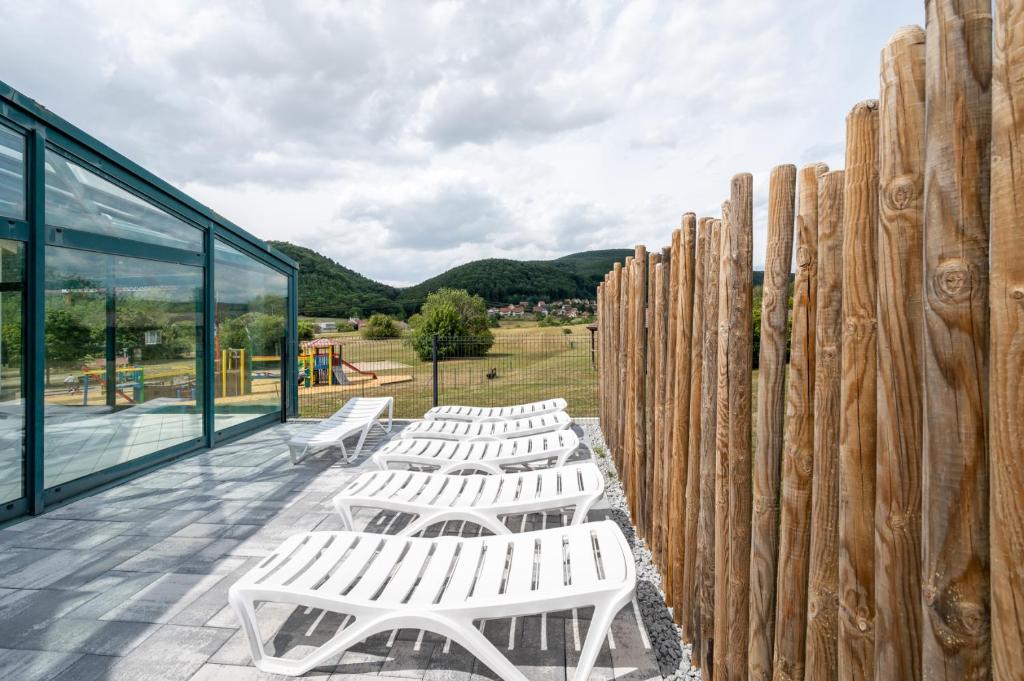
{"points": [[251, 304], [12, 174], [123, 360], [80, 199], [12, 403]]}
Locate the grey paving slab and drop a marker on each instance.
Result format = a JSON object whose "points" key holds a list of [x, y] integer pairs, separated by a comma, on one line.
{"points": [[202, 610], [29, 608], [162, 600], [173, 653], [34, 665], [110, 590], [408, 659], [73, 635]]}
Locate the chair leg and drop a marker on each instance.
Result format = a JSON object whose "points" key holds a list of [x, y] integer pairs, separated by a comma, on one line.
{"points": [[359, 445], [600, 622], [470, 638]]}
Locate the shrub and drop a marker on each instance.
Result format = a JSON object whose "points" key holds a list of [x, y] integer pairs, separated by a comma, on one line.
{"points": [[380, 326], [306, 331], [460, 322]]}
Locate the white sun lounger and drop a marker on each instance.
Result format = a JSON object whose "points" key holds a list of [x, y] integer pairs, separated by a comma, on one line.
{"points": [[479, 499], [488, 456], [442, 585], [357, 416], [487, 430], [460, 413]]}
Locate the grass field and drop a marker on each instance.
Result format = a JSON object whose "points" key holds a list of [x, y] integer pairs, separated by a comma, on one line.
{"points": [[526, 363]]}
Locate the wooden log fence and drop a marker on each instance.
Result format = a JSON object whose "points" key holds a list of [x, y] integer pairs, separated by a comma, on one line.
{"points": [[867, 522]]}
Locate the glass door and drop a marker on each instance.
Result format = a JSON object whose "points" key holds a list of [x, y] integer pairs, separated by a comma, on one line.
{"points": [[12, 361]]}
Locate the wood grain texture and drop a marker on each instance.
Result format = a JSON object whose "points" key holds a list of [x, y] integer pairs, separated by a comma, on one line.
{"points": [[639, 382], [720, 643], [658, 350], [798, 447], [650, 403], [823, 577], [681, 415], [670, 406], [689, 600], [898, 464], [740, 366], [771, 412], [958, 118], [858, 396], [705, 578], [1006, 431], [621, 368]]}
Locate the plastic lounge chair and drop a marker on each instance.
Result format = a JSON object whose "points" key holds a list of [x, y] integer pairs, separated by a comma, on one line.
{"points": [[479, 499], [442, 585], [357, 416], [487, 430], [492, 456], [459, 413]]}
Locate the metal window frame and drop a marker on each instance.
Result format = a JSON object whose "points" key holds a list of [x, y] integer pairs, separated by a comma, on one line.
{"points": [[45, 130]]}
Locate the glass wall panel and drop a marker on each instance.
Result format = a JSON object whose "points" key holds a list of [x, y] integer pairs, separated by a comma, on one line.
{"points": [[80, 199], [12, 174], [12, 359], [251, 312], [123, 360]]}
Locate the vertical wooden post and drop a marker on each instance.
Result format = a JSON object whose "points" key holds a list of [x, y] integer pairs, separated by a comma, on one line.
{"points": [[823, 577], [639, 367], [620, 422], [705, 578], [650, 403], [658, 459], [771, 412], [898, 465], [689, 601], [720, 643], [798, 453], [1006, 432], [681, 427], [670, 405], [740, 366], [958, 122], [858, 396]]}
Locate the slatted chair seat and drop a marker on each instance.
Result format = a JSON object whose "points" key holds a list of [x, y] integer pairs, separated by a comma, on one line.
{"points": [[442, 585], [480, 499], [490, 456], [357, 416], [515, 411], [487, 430]]}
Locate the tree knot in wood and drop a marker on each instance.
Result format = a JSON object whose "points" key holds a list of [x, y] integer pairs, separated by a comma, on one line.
{"points": [[953, 281], [804, 257], [860, 327], [901, 192]]}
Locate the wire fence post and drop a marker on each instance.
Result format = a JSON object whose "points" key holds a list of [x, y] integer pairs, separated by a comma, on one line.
{"points": [[433, 362]]}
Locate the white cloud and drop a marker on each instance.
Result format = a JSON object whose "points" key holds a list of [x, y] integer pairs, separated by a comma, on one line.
{"points": [[403, 138]]}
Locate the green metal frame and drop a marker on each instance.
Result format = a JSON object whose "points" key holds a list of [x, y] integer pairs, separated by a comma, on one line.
{"points": [[44, 130]]}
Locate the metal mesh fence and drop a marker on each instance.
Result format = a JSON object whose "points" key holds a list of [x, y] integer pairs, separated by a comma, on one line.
{"points": [[513, 370]]}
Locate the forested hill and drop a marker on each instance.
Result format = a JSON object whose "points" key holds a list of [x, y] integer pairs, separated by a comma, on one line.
{"points": [[328, 289]]}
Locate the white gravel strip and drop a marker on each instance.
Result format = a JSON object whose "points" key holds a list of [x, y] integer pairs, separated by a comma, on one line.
{"points": [[672, 654]]}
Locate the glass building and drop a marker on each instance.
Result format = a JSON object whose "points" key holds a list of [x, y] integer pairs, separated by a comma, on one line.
{"points": [[136, 325]]}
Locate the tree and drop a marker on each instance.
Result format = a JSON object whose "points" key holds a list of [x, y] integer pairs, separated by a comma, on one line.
{"points": [[460, 322], [306, 331], [68, 339], [380, 326]]}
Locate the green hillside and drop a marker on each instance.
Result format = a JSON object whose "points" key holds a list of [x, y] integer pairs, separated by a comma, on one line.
{"points": [[328, 289]]}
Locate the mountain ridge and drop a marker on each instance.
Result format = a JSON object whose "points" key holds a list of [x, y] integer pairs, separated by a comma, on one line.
{"points": [[329, 289]]}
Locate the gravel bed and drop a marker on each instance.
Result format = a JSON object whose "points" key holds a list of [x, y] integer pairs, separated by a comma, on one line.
{"points": [[672, 654]]}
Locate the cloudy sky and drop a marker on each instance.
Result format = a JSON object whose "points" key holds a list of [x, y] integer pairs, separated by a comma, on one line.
{"points": [[402, 138]]}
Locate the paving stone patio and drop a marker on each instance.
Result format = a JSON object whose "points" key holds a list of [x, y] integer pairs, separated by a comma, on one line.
{"points": [[131, 583]]}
